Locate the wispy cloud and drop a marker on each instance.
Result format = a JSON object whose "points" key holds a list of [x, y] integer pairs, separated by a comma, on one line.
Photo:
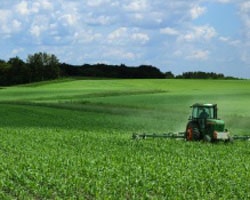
{"points": [[169, 31], [198, 55], [198, 33], [197, 11]]}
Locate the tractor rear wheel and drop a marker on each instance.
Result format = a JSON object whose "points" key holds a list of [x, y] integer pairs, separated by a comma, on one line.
{"points": [[192, 132]]}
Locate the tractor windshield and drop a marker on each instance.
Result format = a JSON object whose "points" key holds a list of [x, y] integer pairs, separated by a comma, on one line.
{"points": [[203, 112]]}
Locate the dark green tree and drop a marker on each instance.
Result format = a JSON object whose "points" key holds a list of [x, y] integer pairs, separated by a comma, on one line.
{"points": [[43, 66], [169, 75], [18, 70], [4, 73]]}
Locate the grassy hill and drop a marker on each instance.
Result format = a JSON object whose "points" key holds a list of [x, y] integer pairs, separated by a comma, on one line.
{"points": [[72, 139]]}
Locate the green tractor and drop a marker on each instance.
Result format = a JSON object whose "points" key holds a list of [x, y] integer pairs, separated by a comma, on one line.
{"points": [[205, 125]]}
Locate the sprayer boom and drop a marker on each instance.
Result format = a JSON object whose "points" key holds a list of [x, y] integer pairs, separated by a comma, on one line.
{"points": [[172, 135], [241, 137]]}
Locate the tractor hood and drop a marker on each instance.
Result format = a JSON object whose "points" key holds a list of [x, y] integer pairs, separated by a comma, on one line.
{"points": [[216, 124]]}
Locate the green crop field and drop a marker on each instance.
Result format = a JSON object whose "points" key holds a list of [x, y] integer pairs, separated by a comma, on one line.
{"points": [[71, 139]]}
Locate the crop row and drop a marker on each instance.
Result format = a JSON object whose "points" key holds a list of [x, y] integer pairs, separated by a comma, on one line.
{"points": [[45, 163]]}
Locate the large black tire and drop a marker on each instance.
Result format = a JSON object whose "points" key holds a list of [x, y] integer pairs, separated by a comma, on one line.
{"points": [[192, 132]]}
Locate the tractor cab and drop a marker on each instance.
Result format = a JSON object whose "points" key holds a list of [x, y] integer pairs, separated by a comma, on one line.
{"points": [[204, 111], [204, 124]]}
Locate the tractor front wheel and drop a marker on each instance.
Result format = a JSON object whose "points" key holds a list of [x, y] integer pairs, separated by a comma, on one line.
{"points": [[207, 138]]}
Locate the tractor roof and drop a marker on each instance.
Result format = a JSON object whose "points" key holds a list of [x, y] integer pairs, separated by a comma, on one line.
{"points": [[203, 105]]}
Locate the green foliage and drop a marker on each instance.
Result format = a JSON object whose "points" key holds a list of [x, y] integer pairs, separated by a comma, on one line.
{"points": [[202, 75], [18, 72], [112, 71], [39, 67], [43, 66], [71, 139]]}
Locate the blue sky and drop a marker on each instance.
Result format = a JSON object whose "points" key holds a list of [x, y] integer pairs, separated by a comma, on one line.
{"points": [[173, 35]]}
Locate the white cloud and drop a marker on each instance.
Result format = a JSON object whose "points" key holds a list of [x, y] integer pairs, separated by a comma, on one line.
{"points": [[178, 53], [47, 5], [16, 24], [230, 41], [190, 53], [120, 53], [4, 21], [124, 36], [136, 6], [245, 13], [98, 3], [27, 8], [197, 11], [199, 33], [244, 7], [224, 39], [142, 37], [69, 19], [4, 15], [225, 1], [118, 34], [86, 36], [22, 8], [139, 16], [98, 20], [198, 55], [17, 51], [8, 25], [169, 31], [36, 30], [245, 57], [39, 26]]}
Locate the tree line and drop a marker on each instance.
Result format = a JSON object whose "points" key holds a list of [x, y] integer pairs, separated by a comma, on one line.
{"points": [[203, 75], [43, 66], [38, 67], [111, 71]]}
